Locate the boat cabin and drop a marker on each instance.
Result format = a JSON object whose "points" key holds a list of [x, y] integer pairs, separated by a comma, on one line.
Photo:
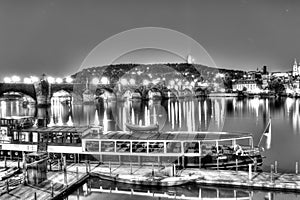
{"points": [[157, 147], [7, 124]]}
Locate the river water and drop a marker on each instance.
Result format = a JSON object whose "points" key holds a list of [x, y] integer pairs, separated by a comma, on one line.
{"points": [[205, 114]]}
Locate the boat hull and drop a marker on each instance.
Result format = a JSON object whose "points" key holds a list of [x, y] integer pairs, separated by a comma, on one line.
{"points": [[132, 127]]}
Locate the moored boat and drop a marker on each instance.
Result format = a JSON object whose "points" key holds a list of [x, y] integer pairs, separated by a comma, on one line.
{"points": [[151, 127], [216, 150]]}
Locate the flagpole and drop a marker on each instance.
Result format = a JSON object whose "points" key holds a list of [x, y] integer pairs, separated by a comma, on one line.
{"points": [[264, 132]]}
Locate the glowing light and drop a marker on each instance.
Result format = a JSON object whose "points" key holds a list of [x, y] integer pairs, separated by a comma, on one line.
{"points": [[95, 81], [34, 79], [27, 80], [7, 80], [124, 81], [15, 79], [172, 82], [104, 80], [69, 79], [132, 81], [145, 82], [96, 120], [50, 79], [70, 122], [59, 80]]}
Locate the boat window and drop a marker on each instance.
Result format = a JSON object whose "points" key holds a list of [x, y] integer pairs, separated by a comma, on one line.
{"points": [[123, 146], [107, 146], [15, 136], [139, 147], [191, 147], [92, 146], [243, 142], [25, 136], [34, 137], [208, 147], [156, 147], [173, 147]]}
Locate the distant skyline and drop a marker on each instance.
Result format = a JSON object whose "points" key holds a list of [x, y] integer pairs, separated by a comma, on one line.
{"points": [[55, 36]]}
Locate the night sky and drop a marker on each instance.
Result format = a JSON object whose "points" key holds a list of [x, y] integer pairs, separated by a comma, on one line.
{"points": [[54, 37]]}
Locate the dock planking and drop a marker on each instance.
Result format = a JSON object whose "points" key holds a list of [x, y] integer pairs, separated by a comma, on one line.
{"points": [[55, 180], [259, 180]]}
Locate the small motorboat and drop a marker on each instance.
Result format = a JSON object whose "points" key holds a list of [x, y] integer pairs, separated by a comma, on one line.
{"points": [[151, 127]]}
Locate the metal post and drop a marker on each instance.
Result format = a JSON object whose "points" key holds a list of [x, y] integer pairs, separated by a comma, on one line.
{"points": [[236, 165], [86, 166], [271, 176], [275, 166], [174, 174], [5, 164], [18, 163], [152, 170], [35, 197], [200, 193], [7, 186], [52, 189], [109, 168], [130, 168], [59, 164], [65, 177], [250, 172], [255, 164], [77, 175], [217, 163], [296, 170]]}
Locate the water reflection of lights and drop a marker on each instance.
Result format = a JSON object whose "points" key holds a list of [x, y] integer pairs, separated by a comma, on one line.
{"points": [[296, 117], [3, 108], [96, 119], [289, 103], [105, 122]]}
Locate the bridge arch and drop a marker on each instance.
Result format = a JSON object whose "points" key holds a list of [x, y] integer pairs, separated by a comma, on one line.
{"points": [[27, 89], [101, 91]]}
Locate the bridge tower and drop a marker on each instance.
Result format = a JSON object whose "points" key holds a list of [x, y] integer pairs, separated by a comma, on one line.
{"points": [[42, 89]]}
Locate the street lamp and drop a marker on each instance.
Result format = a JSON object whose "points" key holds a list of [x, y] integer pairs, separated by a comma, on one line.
{"points": [[145, 82], [123, 81], [95, 81], [34, 79], [27, 80], [132, 81], [51, 80], [7, 80], [69, 79], [59, 80], [15, 79], [104, 80]]}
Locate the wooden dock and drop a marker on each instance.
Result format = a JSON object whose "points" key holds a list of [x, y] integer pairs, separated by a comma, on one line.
{"points": [[258, 180], [59, 184]]}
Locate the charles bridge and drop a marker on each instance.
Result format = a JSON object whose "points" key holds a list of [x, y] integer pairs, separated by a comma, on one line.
{"points": [[42, 91]]}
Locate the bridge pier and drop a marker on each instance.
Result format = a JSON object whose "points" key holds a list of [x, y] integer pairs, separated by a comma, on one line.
{"points": [[43, 101]]}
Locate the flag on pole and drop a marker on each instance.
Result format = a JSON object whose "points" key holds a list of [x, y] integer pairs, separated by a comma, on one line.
{"points": [[267, 133]]}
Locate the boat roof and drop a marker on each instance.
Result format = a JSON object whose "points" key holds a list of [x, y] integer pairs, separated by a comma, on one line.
{"points": [[155, 135], [60, 129], [17, 117]]}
